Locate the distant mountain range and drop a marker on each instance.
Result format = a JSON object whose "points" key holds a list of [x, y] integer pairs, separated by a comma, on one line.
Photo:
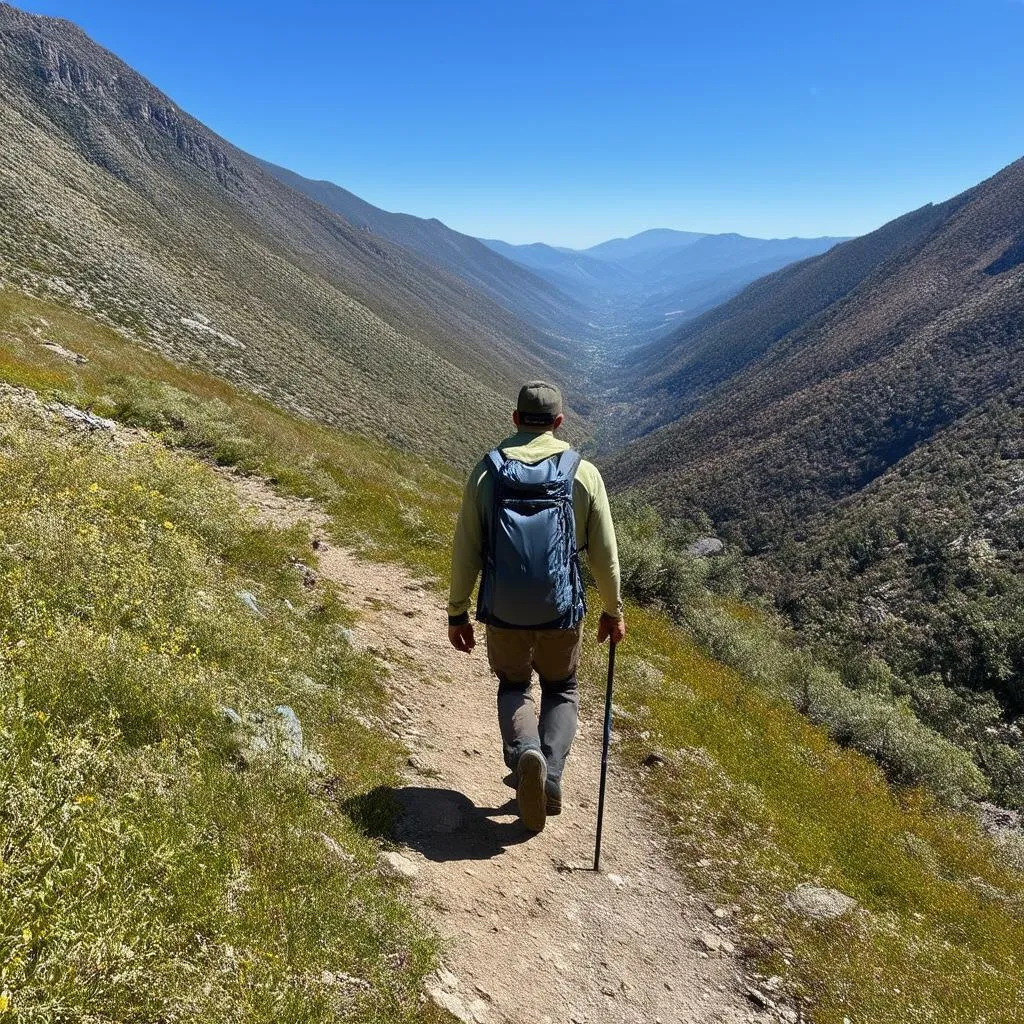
{"points": [[637, 288]]}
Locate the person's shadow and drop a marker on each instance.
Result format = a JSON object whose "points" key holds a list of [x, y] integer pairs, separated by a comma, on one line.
{"points": [[442, 824]]}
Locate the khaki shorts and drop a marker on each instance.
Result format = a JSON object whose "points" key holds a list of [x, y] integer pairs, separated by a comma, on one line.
{"points": [[514, 653]]}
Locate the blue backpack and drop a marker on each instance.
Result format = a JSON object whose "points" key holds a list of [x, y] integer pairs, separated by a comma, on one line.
{"points": [[531, 568]]}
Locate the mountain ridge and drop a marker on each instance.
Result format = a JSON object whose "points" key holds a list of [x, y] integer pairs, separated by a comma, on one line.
{"points": [[510, 284], [161, 224]]}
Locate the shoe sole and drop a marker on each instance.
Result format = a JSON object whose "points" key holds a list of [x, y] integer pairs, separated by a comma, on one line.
{"points": [[530, 795]]}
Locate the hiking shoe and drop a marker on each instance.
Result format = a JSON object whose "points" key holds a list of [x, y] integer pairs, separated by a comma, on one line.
{"points": [[530, 795], [553, 793]]}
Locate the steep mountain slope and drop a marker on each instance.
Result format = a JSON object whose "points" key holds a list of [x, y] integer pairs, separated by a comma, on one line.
{"points": [[925, 566], [871, 455], [509, 284], [638, 287], [674, 375], [111, 193], [809, 415]]}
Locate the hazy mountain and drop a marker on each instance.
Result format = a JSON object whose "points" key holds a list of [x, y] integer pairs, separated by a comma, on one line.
{"points": [[638, 287], [531, 297], [593, 282], [112, 194], [682, 282], [652, 241], [724, 253]]}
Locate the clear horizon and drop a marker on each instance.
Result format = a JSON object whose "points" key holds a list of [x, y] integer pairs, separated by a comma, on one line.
{"points": [[577, 123]]}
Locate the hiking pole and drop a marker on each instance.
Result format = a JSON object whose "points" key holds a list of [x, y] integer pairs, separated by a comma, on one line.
{"points": [[604, 751]]}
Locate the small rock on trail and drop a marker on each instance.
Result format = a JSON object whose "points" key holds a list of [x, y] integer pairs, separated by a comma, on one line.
{"points": [[396, 865]]}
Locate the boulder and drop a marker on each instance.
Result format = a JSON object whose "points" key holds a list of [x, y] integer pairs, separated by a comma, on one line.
{"points": [[706, 547], [819, 904], [261, 734], [64, 353], [249, 600], [712, 943], [82, 419]]}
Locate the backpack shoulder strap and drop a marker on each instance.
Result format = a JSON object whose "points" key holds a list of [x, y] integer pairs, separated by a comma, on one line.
{"points": [[568, 462], [495, 461]]}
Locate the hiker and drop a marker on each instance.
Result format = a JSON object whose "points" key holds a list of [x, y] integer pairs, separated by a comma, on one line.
{"points": [[530, 506]]}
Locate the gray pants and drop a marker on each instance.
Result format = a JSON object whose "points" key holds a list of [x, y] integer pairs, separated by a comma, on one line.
{"points": [[513, 655]]}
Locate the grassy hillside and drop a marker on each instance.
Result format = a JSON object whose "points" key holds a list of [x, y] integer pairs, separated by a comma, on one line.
{"points": [[112, 195], [389, 501], [153, 868], [758, 799]]}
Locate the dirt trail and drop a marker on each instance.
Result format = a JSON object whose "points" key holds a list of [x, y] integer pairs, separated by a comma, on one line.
{"points": [[533, 936]]}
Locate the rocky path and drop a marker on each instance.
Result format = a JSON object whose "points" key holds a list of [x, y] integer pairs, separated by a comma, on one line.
{"points": [[534, 935]]}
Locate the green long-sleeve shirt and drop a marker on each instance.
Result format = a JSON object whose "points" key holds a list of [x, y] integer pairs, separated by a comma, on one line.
{"points": [[595, 532]]}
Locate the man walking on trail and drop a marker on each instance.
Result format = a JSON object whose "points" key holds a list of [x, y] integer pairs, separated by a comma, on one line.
{"points": [[530, 506]]}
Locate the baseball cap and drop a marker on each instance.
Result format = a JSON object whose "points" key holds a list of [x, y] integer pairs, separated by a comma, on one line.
{"points": [[539, 403]]}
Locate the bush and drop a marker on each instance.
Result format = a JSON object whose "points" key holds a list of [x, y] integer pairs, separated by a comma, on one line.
{"points": [[871, 718], [183, 420]]}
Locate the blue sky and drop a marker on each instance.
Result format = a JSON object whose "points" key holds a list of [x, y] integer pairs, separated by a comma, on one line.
{"points": [[574, 122]]}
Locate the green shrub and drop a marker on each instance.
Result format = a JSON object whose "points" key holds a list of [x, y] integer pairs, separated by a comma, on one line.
{"points": [[871, 718], [183, 420]]}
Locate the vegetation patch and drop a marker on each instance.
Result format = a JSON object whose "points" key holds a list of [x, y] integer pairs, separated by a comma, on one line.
{"points": [[150, 868], [384, 503], [856, 705]]}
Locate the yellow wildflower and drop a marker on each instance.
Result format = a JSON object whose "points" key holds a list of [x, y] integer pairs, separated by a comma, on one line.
{"points": [[168, 525], [84, 798], [93, 488]]}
